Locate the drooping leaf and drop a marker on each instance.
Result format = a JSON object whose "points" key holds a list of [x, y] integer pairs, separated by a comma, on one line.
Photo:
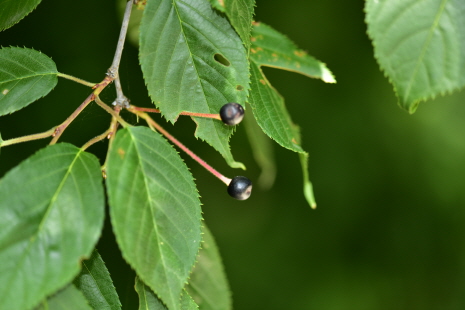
{"points": [[208, 284], [95, 283], [270, 112], [271, 48], [192, 60], [262, 150], [12, 12], [25, 76], [149, 301], [52, 208], [240, 13], [420, 45], [155, 210], [308, 187], [69, 298]]}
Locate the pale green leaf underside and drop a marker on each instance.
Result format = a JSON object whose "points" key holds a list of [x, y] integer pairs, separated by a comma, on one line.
{"points": [[240, 13], [420, 45], [149, 301], [155, 210], [52, 208], [192, 60], [69, 298], [25, 76], [95, 283], [12, 11], [270, 48], [208, 284]]}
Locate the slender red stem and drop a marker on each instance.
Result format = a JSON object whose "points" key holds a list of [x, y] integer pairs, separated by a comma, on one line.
{"points": [[160, 129]]}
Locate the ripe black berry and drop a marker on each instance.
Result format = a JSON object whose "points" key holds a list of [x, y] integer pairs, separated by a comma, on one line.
{"points": [[240, 188], [232, 113]]}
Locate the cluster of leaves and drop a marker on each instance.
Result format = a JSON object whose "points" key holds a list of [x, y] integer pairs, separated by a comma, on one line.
{"points": [[195, 56]]}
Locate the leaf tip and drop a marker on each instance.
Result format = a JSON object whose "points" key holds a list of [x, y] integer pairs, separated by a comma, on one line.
{"points": [[326, 75]]}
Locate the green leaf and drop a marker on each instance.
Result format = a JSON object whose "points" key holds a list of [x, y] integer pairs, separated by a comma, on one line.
{"points": [[420, 45], [208, 284], [262, 150], [52, 208], [12, 12], [149, 301], [95, 283], [273, 49], [155, 210], [240, 13], [270, 112], [69, 298], [192, 60], [25, 76]]}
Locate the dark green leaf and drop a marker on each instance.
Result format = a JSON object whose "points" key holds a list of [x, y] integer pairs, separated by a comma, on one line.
{"points": [[25, 76], [420, 45], [147, 298], [12, 12], [208, 284], [149, 301], [69, 298], [95, 283], [155, 210], [240, 13], [270, 48], [52, 208], [192, 60], [270, 112]]}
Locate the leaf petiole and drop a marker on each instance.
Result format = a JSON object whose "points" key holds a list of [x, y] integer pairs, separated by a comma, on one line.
{"points": [[27, 138], [205, 115], [75, 79]]}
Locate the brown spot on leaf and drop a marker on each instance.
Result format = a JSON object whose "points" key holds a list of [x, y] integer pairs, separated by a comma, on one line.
{"points": [[263, 81], [253, 39], [256, 24], [299, 53], [121, 153], [274, 55], [221, 2], [294, 141], [253, 50], [239, 87]]}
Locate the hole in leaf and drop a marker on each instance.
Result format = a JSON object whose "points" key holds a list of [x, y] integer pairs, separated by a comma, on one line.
{"points": [[239, 87], [220, 58]]}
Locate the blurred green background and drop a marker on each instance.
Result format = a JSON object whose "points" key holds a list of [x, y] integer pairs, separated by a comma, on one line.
{"points": [[388, 232]]}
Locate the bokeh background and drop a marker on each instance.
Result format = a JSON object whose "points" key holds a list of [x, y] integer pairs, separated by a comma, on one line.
{"points": [[388, 232]]}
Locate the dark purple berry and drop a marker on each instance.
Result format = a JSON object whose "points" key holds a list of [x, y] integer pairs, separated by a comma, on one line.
{"points": [[232, 113], [240, 188]]}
